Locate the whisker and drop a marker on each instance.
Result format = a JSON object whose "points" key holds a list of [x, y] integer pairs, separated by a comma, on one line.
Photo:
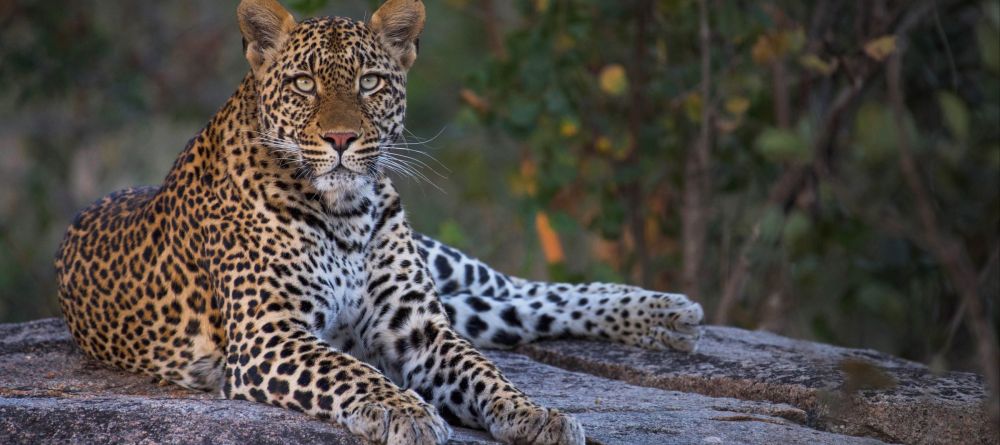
{"points": [[424, 142], [402, 157], [404, 168], [432, 158]]}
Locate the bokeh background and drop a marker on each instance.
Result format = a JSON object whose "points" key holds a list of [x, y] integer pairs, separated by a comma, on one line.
{"points": [[822, 169]]}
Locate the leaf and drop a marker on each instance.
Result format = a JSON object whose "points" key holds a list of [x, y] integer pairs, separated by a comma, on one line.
{"points": [[991, 12], [817, 65], [764, 51], [795, 39], [988, 37], [613, 80], [692, 107], [772, 46], [551, 246], [525, 181], [881, 48], [956, 115], [737, 105], [475, 101], [727, 125], [779, 145], [523, 112], [875, 133], [797, 228], [771, 224], [603, 145], [564, 42], [568, 128]]}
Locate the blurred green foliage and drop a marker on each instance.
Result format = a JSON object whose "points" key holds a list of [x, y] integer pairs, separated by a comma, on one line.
{"points": [[585, 112], [605, 98]]}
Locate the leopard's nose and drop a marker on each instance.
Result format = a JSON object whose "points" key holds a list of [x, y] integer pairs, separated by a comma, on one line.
{"points": [[340, 140]]}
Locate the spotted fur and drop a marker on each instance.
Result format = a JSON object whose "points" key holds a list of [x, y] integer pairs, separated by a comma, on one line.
{"points": [[495, 310], [277, 266]]}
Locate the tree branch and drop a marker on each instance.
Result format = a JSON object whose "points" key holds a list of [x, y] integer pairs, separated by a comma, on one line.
{"points": [[491, 25], [948, 250], [697, 182], [783, 194], [786, 188], [637, 117]]}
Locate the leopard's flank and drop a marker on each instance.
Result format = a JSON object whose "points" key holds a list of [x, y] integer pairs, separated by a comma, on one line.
{"points": [[275, 262]]}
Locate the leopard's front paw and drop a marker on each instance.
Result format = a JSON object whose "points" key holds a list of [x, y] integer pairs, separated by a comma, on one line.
{"points": [[661, 321], [403, 419], [538, 426]]}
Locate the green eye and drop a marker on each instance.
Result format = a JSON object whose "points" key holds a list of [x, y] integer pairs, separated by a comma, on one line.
{"points": [[305, 84], [370, 82]]}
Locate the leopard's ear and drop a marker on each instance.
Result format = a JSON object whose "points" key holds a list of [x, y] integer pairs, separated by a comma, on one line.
{"points": [[265, 25], [399, 24]]}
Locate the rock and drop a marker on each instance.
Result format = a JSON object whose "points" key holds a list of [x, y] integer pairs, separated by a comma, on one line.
{"points": [[848, 391], [614, 412], [50, 393]]}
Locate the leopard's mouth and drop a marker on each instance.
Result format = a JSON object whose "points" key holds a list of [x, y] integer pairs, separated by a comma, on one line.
{"points": [[340, 172], [341, 179]]}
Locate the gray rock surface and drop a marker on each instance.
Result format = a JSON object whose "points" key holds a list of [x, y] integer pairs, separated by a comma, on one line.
{"points": [[50, 393], [848, 391]]}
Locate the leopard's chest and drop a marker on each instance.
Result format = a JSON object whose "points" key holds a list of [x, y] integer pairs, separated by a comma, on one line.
{"points": [[324, 261], [341, 280], [343, 290]]}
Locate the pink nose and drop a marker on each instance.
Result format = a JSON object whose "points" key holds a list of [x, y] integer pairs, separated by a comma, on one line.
{"points": [[340, 139]]}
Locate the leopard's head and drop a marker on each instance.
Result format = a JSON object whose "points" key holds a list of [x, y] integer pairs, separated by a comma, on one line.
{"points": [[331, 91]]}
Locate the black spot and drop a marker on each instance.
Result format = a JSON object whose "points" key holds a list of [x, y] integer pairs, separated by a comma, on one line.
{"points": [[325, 402], [449, 288], [544, 323], [258, 395], [510, 316], [305, 378], [416, 339], [448, 415], [323, 384], [443, 268], [506, 338], [478, 304], [475, 326], [413, 296], [470, 275], [399, 318], [277, 386], [304, 399], [450, 310], [254, 377]]}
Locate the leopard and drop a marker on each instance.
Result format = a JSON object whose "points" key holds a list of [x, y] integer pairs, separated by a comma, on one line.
{"points": [[275, 262]]}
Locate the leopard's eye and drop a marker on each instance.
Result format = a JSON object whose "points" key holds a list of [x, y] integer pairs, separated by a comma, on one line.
{"points": [[305, 84], [370, 83]]}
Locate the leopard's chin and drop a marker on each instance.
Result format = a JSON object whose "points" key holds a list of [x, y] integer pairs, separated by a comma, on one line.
{"points": [[343, 190], [342, 182]]}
